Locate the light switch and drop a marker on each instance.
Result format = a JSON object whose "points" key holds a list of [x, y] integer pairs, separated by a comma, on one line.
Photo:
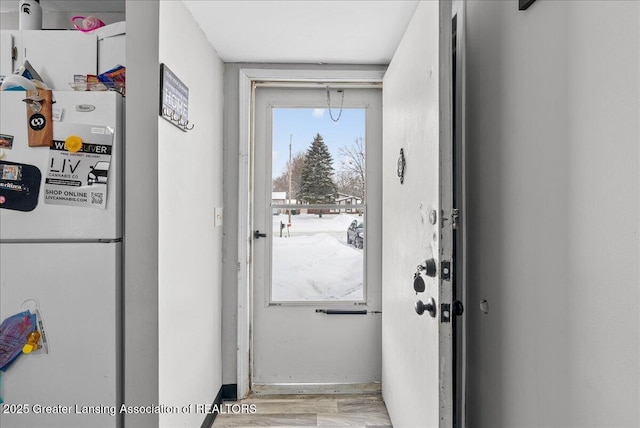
{"points": [[217, 222]]}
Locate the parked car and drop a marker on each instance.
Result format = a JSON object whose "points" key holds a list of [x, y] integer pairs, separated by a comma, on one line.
{"points": [[360, 237], [355, 234]]}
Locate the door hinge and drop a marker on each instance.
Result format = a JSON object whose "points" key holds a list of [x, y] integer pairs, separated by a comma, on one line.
{"points": [[445, 270], [455, 214]]}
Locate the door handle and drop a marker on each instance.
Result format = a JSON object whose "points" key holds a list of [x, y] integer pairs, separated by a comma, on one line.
{"points": [[341, 312], [430, 307], [458, 308], [258, 235]]}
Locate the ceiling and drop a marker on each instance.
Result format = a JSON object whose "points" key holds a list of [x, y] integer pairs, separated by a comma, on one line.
{"points": [[283, 31], [308, 31]]}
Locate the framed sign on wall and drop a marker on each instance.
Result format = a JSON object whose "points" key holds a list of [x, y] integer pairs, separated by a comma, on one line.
{"points": [[174, 99], [524, 4]]}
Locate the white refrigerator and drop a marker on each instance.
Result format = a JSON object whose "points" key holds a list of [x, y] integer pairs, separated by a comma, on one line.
{"points": [[61, 245]]}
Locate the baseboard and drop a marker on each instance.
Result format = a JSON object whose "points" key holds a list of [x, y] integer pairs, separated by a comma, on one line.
{"points": [[227, 392], [315, 388]]}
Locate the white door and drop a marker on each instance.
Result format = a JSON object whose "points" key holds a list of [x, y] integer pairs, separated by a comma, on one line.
{"points": [[417, 219], [316, 278]]}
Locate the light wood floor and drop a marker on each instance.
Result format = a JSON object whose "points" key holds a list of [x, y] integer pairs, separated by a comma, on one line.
{"points": [[361, 410]]}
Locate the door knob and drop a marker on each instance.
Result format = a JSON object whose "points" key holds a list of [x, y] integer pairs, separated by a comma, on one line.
{"points": [[259, 235], [458, 308], [430, 307]]}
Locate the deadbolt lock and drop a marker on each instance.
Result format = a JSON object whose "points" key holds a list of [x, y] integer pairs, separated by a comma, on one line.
{"points": [[429, 268]]}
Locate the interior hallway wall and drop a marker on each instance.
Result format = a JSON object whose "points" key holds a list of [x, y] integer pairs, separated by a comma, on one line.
{"points": [[172, 249], [190, 245], [553, 144], [140, 294]]}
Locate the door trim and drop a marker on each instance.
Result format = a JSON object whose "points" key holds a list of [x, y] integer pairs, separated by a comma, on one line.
{"points": [[459, 8], [248, 78]]}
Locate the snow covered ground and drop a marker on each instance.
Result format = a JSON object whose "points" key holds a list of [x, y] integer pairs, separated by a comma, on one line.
{"points": [[315, 263]]}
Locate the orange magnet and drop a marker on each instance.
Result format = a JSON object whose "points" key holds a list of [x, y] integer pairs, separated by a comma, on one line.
{"points": [[73, 143], [32, 342]]}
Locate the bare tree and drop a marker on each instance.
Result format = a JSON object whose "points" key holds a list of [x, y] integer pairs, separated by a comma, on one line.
{"points": [[352, 171], [346, 182], [281, 183]]}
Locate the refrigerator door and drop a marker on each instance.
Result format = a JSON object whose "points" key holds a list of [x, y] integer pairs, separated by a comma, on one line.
{"points": [[48, 222], [112, 48], [6, 53], [78, 290], [57, 55]]}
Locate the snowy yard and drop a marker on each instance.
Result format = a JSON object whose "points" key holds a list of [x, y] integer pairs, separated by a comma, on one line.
{"points": [[315, 263]]}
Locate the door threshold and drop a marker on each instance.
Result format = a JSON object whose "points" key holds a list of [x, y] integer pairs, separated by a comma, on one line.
{"points": [[315, 388]]}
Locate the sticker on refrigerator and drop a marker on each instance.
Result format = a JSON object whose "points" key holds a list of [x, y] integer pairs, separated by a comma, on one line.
{"points": [[19, 186], [79, 165], [6, 141]]}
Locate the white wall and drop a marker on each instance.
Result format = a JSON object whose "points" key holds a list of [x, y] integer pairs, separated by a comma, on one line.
{"points": [[172, 249], [554, 214], [140, 382], [190, 246], [230, 264]]}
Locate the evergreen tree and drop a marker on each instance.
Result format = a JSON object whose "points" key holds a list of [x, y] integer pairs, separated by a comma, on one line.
{"points": [[316, 182]]}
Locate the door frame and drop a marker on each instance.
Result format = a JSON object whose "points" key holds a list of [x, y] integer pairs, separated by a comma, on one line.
{"points": [[248, 77], [460, 142]]}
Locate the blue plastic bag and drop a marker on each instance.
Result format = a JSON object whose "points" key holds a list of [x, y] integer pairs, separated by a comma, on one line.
{"points": [[13, 336]]}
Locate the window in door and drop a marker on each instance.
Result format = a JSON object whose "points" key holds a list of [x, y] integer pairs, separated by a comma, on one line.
{"points": [[318, 205]]}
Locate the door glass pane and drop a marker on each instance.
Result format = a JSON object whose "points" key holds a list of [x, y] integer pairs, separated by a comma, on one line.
{"points": [[313, 262], [318, 205]]}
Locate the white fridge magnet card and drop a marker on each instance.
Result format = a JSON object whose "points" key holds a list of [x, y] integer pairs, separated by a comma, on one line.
{"points": [[78, 171]]}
